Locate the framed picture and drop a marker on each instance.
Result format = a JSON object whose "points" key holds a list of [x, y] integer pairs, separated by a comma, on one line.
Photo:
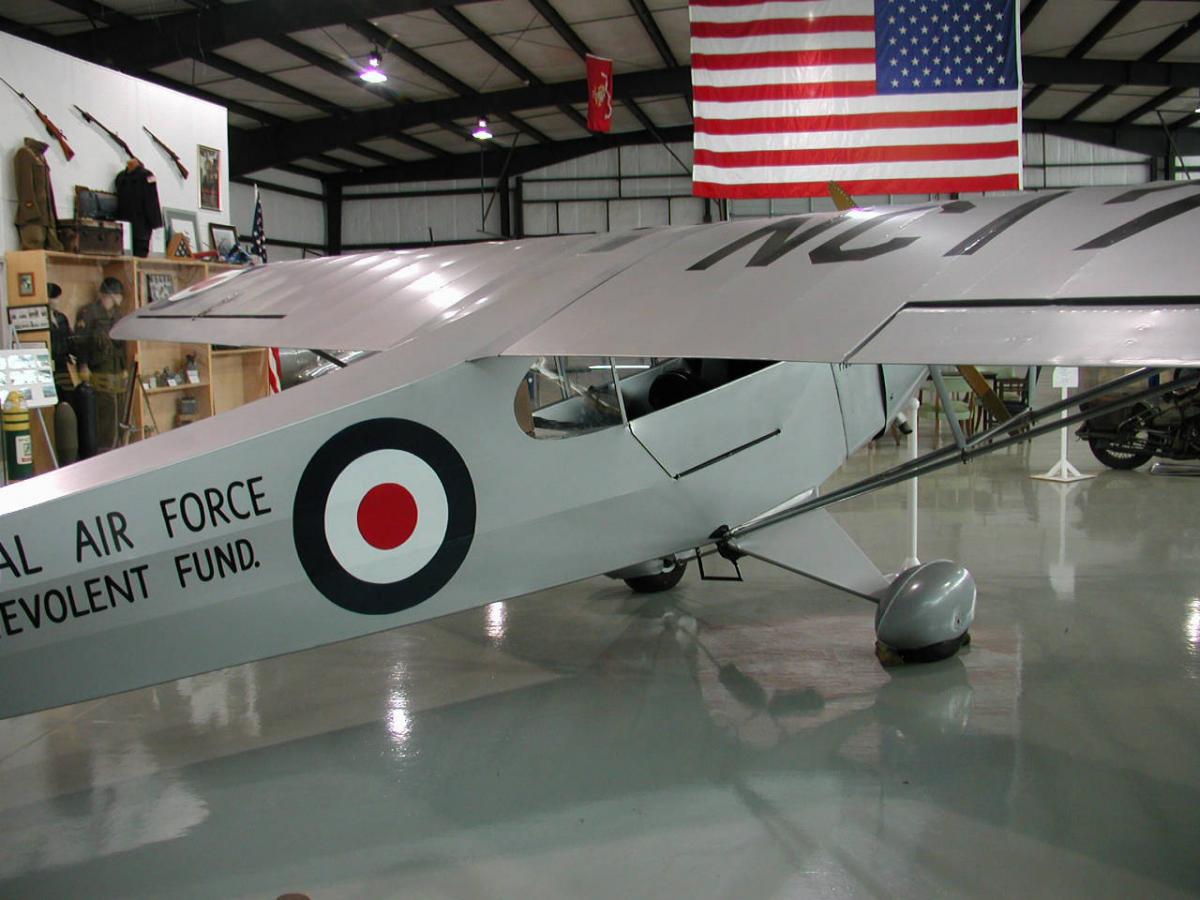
{"points": [[182, 221], [159, 286], [219, 234], [25, 284], [29, 318], [210, 177]]}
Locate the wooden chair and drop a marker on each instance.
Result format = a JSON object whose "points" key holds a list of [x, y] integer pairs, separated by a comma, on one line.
{"points": [[962, 400]]}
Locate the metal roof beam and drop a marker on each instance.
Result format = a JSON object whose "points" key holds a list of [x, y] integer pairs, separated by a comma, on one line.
{"points": [[1102, 28], [656, 35], [575, 42], [524, 159], [386, 42], [98, 12], [1049, 70], [344, 72], [1149, 106], [502, 56], [1147, 139], [1087, 103], [163, 39], [270, 83], [293, 139], [1030, 12]]}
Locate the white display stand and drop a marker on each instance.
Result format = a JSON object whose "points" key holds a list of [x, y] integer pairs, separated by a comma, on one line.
{"points": [[914, 407], [1065, 377]]}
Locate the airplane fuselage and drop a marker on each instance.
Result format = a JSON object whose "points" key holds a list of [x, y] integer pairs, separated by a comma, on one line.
{"points": [[419, 501]]}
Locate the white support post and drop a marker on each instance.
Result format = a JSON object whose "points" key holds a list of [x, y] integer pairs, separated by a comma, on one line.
{"points": [[1062, 471], [914, 408]]}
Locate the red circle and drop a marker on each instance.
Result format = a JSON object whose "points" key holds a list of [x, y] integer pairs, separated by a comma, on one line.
{"points": [[387, 516]]}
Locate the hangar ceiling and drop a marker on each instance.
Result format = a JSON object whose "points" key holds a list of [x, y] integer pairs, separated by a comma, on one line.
{"points": [[1116, 72]]}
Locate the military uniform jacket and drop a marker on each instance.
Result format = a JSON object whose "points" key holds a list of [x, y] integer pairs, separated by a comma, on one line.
{"points": [[137, 200], [92, 345], [35, 195]]}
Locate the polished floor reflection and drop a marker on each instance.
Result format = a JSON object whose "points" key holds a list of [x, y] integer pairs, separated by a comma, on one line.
{"points": [[726, 740]]}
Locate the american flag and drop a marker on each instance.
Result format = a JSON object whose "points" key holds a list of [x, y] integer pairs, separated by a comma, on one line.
{"points": [[273, 383], [882, 96], [258, 233]]}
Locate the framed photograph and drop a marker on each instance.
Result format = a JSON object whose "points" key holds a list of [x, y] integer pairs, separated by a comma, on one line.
{"points": [[210, 177], [159, 286], [29, 318], [25, 284], [182, 221], [219, 234]]}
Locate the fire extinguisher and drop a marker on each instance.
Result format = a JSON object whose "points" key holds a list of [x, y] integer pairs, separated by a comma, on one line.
{"points": [[18, 442]]}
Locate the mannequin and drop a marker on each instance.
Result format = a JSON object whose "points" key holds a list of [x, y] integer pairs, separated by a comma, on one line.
{"points": [[103, 357], [137, 204], [36, 218]]}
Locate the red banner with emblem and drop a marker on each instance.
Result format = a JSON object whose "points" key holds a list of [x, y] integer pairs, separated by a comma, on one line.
{"points": [[600, 98]]}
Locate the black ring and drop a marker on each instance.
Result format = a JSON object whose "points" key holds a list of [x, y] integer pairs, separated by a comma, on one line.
{"points": [[312, 495]]}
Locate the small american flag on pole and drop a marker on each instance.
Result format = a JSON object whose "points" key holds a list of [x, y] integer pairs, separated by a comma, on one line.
{"points": [[274, 386], [258, 233], [882, 96], [258, 238]]}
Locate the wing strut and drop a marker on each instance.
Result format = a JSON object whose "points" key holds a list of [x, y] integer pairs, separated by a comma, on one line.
{"points": [[1003, 434]]}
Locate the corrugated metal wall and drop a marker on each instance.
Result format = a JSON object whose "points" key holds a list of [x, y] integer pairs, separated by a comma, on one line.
{"points": [[292, 222], [629, 187]]}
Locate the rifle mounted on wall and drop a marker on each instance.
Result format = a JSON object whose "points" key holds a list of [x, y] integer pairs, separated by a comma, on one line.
{"points": [[171, 153], [53, 130], [92, 120]]}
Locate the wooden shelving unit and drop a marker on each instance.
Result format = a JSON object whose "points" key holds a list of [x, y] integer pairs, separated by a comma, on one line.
{"points": [[228, 378]]}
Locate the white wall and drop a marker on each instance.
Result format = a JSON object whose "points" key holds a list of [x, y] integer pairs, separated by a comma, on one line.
{"points": [[55, 81]]}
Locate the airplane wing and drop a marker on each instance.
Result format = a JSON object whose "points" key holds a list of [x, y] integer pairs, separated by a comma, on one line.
{"points": [[1103, 276]]}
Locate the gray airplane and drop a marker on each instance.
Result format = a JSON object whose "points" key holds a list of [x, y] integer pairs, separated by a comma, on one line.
{"points": [[539, 411]]}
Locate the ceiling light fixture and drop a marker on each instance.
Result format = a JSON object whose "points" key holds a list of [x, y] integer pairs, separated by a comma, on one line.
{"points": [[482, 132], [371, 73]]}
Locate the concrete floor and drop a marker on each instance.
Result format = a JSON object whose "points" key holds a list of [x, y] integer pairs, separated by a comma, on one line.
{"points": [[727, 740]]}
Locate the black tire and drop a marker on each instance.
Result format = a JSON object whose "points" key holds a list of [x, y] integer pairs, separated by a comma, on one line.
{"points": [[1116, 457], [663, 581]]}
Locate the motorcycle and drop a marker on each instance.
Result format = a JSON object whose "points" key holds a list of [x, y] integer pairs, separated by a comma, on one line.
{"points": [[1131, 436]]}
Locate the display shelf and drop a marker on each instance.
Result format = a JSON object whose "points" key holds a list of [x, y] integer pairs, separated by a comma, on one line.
{"points": [[228, 378], [177, 387]]}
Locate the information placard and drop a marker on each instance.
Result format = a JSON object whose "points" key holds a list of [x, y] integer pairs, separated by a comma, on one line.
{"points": [[30, 371]]}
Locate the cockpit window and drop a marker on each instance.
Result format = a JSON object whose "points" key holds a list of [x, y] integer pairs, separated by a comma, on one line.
{"points": [[564, 396]]}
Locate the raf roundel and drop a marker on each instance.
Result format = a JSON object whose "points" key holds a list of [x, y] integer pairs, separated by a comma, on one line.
{"points": [[384, 516]]}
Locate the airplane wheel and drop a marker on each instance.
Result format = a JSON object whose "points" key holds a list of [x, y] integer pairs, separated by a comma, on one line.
{"points": [[926, 614], [663, 581]]}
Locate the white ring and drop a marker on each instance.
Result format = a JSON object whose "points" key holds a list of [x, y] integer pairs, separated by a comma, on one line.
{"points": [[347, 544]]}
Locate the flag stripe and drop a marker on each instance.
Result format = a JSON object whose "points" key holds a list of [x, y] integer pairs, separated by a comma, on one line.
{"points": [[944, 118], [741, 93], [771, 43], [780, 58], [850, 171], [756, 78], [859, 187], [862, 105], [850, 155], [780, 9], [854, 140], [759, 27]]}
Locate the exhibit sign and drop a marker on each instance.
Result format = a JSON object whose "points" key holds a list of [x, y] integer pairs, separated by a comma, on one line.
{"points": [[30, 371]]}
